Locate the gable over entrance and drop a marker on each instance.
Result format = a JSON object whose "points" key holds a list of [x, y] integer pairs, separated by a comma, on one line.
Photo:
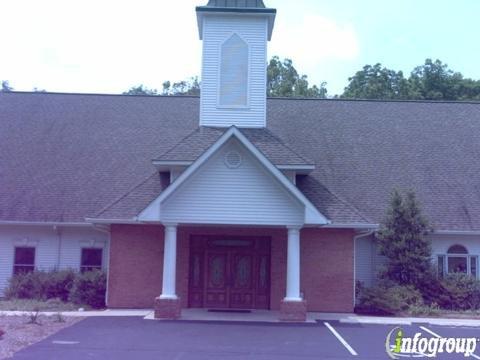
{"points": [[232, 183]]}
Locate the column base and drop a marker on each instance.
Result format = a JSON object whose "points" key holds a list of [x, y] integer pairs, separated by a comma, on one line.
{"points": [[167, 309], [293, 311]]}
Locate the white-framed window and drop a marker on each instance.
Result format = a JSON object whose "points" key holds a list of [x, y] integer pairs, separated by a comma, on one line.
{"points": [[91, 259], [234, 63], [24, 260], [457, 260]]}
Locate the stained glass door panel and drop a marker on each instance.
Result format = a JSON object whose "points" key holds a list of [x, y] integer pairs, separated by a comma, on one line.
{"points": [[217, 277], [241, 285]]}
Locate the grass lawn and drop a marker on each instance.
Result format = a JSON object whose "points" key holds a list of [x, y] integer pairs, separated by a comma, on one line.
{"points": [[54, 305]]}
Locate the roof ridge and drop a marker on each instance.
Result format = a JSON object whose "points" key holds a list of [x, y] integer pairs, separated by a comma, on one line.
{"points": [[420, 101], [16, 92], [120, 198]]}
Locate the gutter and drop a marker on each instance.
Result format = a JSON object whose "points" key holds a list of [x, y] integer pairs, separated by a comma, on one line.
{"points": [[352, 226], [33, 223], [111, 221], [457, 232]]}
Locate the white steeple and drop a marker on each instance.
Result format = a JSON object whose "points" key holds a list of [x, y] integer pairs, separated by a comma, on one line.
{"points": [[234, 64]]}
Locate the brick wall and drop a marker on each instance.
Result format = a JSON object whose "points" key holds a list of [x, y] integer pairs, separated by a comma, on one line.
{"points": [[136, 262], [327, 269]]}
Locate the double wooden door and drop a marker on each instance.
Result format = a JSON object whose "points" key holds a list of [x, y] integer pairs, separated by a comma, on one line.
{"points": [[229, 273]]}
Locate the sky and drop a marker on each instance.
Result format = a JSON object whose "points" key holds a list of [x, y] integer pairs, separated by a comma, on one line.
{"points": [[108, 46]]}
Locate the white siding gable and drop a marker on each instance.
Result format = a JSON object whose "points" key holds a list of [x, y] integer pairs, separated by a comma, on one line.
{"points": [[219, 194], [219, 31]]}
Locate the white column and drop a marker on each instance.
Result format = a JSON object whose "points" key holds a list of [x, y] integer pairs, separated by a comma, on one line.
{"points": [[293, 265], [169, 262]]}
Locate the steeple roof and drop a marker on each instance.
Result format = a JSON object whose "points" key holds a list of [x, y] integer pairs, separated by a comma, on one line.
{"points": [[237, 3], [236, 6]]}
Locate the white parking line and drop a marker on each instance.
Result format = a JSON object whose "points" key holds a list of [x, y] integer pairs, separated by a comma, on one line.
{"points": [[60, 342], [438, 336], [429, 331], [340, 338]]}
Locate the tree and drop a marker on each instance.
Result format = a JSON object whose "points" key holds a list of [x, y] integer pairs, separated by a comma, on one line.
{"points": [[283, 80], [6, 86], [402, 240], [140, 90], [435, 81], [377, 82], [431, 81], [191, 87]]}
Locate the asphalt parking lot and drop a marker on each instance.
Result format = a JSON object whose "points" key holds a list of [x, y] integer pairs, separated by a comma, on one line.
{"points": [[138, 339]]}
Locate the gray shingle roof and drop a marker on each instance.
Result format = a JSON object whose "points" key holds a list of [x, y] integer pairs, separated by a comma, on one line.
{"points": [[64, 157], [196, 143]]}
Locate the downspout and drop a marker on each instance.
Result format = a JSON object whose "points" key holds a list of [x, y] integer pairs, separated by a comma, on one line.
{"points": [[355, 238], [57, 231], [106, 229]]}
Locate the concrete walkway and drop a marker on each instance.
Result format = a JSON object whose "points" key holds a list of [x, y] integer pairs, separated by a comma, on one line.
{"points": [[261, 316]]}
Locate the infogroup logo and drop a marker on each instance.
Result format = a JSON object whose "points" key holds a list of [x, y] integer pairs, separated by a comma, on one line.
{"points": [[399, 346]]}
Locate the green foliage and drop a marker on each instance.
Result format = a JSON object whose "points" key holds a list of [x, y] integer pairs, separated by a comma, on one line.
{"points": [[25, 286], [140, 90], [41, 285], [385, 299], [402, 240], [431, 81], [424, 310], [283, 80], [191, 87], [435, 81], [377, 82], [59, 286], [89, 288], [463, 292]]}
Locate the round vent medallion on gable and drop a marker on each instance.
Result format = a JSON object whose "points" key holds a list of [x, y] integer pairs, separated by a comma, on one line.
{"points": [[233, 159]]}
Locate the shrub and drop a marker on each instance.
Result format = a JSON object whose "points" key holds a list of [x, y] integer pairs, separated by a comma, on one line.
{"points": [[387, 300], [41, 285], [57, 284], [463, 292], [89, 288], [424, 310], [25, 286], [433, 290]]}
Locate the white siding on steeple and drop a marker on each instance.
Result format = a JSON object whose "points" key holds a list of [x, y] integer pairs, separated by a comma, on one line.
{"points": [[232, 187], [221, 32]]}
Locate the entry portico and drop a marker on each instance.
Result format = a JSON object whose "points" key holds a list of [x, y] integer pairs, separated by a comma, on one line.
{"points": [[232, 184]]}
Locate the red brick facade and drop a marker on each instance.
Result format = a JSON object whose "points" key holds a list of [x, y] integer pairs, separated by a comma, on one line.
{"points": [[167, 309], [136, 265], [293, 311], [136, 260]]}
